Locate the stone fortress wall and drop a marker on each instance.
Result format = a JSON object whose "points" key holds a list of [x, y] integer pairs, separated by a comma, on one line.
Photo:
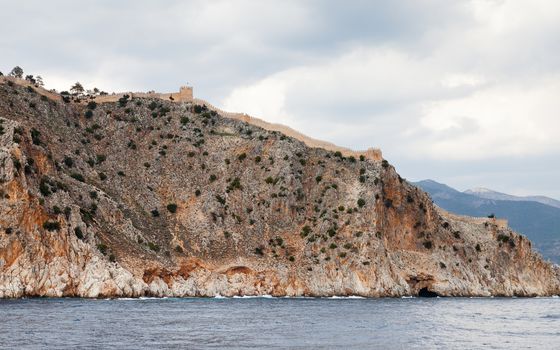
{"points": [[185, 95]]}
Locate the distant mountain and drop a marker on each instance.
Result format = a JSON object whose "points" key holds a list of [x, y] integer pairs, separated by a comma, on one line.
{"points": [[539, 222], [490, 194]]}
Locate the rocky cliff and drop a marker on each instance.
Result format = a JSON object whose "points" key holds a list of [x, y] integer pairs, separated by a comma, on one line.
{"points": [[150, 197]]}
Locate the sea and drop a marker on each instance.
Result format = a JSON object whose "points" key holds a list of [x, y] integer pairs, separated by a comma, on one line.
{"points": [[281, 323]]}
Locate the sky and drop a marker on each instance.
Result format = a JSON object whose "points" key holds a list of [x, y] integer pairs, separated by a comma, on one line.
{"points": [[463, 92]]}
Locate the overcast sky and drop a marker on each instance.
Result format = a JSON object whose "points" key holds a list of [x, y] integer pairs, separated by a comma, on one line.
{"points": [[463, 92]]}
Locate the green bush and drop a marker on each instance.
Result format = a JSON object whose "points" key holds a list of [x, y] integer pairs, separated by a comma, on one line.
{"points": [[242, 157], [318, 178], [77, 176], [88, 114], [35, 136], [153, 246], [69, 162], [172, 207], [361, 202], [51, 225], [102, 248], [78, 232]]}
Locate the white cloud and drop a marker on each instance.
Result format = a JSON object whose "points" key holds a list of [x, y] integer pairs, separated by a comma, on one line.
{"points": [[480, 93]]}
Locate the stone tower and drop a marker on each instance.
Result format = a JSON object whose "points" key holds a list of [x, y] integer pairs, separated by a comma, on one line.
{"points": [[185, 94]]}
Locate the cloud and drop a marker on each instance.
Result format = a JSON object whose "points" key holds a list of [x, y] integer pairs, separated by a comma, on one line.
{"points": [[468, 97]]}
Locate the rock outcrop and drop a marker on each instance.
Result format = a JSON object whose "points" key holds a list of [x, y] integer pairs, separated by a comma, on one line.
{"points": [[150, 197]]}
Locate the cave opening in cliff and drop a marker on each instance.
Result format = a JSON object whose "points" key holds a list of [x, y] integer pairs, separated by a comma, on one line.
{"points": [[426, 293]]}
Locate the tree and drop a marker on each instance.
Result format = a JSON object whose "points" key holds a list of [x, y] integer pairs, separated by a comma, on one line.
{"points": [[77, 89], [17, 72], [30, 79], [39, 81]]}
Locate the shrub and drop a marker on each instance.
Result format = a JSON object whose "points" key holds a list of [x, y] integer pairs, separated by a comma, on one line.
{"points": [[242, 157], [235, 184], [92, 105], [77, 176], [491, 216], [259, 251], [51, 225], [172, 207], [152, 105], [69, 162], [44, 187], [318, 178], [123, 100], [477, 247], [257, 159], [221, 199], [362, 157], [155, 213], [384, 163], [197, 193], [153, 246], [213, 178], [179, 249], [35, 136], [333, 246], [88, 114], [78, 232], [102, 248], [427, 244], [102, 176], [120, 173], [361, 202]]}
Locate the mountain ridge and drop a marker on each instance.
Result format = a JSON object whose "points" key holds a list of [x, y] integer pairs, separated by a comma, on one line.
{"points": [[540, 222]]}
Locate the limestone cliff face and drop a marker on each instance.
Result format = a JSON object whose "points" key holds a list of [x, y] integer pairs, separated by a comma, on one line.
{"points": [[147, 197]]}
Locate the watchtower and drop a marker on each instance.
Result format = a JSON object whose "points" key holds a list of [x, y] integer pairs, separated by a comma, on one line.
{"points": [[185, 94]]}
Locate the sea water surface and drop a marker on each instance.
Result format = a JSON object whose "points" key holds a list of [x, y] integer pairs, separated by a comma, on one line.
{"points": [[286, 323]]}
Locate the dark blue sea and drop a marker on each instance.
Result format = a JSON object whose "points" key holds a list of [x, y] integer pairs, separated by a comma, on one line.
{"points": [[281, 323]]}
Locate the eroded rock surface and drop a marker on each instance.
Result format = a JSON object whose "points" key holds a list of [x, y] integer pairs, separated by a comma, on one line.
{"points": [[148, 197]]}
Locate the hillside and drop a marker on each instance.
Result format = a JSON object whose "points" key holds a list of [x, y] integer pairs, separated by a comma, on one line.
{"points": [[540, 222], [150, 197]]}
